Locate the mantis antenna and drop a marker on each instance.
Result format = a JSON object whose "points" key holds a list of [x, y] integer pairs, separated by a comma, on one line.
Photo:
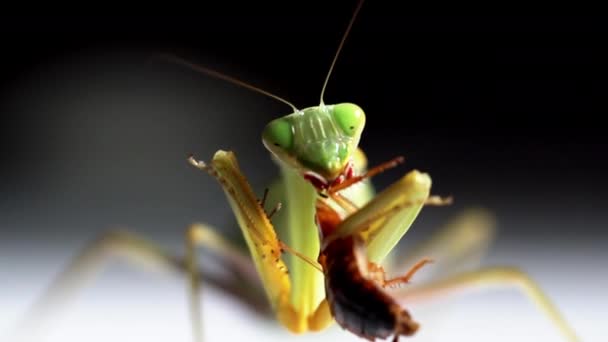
{"points": [[331, 68], [221, 76]]}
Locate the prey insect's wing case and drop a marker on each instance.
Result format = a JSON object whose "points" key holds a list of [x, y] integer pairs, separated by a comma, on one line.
{"points": [[256, 227]]}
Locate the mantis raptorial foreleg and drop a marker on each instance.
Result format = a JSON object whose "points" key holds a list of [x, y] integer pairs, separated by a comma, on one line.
{"points": [[492, 277], [264, 245], [385, 219], [202, 235]]}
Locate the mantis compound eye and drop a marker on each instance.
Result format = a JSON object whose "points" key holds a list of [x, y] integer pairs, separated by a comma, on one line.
{"points": [[350, 118], [278, 135]]}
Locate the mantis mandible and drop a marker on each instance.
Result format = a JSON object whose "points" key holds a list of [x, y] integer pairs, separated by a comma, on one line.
{"points": [[317, 151]]}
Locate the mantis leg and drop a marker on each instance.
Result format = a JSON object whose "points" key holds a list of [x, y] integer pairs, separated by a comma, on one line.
{"points": [[142, 254], [265, 248], [321, 317], [490, 278], [201, 235], [461, 243], [384, 220]]}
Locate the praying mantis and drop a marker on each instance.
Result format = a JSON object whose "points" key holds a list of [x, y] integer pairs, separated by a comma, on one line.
{"points": [[311, 167]]}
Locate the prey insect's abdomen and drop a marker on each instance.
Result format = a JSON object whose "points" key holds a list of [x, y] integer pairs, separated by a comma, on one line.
{"points": [[357, 303]]}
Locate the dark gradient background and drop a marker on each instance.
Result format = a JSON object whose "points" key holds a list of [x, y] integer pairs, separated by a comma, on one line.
{"points": [[503, 112]]}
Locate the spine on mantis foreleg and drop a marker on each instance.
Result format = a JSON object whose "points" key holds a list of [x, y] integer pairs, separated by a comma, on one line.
{"points": [[256, 227]]}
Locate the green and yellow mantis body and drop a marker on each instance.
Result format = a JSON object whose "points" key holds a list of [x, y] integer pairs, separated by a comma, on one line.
{"points": [[316, 148], [316, 145]]}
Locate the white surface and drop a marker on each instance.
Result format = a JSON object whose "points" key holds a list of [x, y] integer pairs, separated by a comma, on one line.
{"points": [[128, 305]]}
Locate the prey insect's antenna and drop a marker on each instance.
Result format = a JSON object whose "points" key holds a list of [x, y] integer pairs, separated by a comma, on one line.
{"points": [[221, 76], [303, 257], [331, 68]]}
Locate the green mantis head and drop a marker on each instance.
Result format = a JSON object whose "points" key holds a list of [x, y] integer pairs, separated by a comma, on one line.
{"points": [[318, 141]]}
